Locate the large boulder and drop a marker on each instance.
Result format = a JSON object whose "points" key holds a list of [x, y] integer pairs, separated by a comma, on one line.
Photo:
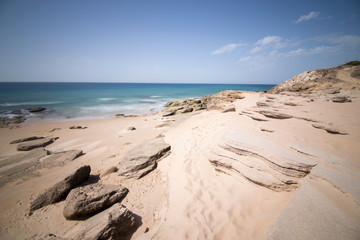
{"points": [[60, 190], [29, 145], [116, 222], [143, 158], [90, 199]]}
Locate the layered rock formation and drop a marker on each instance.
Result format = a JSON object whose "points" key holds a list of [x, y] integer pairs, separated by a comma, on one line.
{"points": [[330, 81]]}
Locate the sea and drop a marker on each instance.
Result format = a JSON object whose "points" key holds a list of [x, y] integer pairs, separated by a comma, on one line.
{"points": [[101, 100]]}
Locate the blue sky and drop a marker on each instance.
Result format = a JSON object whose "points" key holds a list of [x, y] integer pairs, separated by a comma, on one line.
{"points": [[174, 41]]}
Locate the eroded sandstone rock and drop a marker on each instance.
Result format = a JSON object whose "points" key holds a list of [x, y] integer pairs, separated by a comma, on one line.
{"points": [[60, 190], [116, 222], [87, 200], [143, 158]]}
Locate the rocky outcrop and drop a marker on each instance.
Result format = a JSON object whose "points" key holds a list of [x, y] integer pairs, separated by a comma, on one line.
{"points": [[60, 158], [143, 158], [21, 165], [116, 222], [229, 109], [26, 139], [29, 145], [330, 128], [77, 127], [276, 115], [90, 199], [327, 81], [218, 101], [36, 109], [48, 236], [60, 190], [273, 172], [341, 99]]}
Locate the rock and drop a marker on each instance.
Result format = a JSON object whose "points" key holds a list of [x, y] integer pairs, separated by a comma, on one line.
{"points": [[26, 139], [186, 110], [275, 115], [48, 236], [131, 128], [341, 99], [120, 115], [329, 128], [169, 114], [77, 127], [332, 91], [90, 199], [36, 109], [290, 104], [29, 145], [262, 104], [143, 158], [20, 165], [54, 129], [229, 109], [108, 171], [60, 190], [217, 101], [60, 158], [116, 222], [167, 124]]}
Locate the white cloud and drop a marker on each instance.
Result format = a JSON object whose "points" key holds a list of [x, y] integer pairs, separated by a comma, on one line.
{"points": [[311, 15], [245, 59], [269, 40], [345, 40], [255, 50], [227, 48], [311, 51]]}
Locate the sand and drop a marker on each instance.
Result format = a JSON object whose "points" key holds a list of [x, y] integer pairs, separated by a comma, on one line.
{"points": [[188, 197]]}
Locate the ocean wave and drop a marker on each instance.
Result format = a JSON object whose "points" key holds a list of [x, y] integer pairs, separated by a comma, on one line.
{"points": [[27, 103], [135, 108], [106, 99], [154, 96]]}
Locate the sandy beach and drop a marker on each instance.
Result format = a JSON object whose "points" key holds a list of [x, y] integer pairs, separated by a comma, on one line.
{"points": [[276, 165]]}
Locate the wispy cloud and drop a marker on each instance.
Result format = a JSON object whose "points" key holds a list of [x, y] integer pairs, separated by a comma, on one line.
{"points": [[245, 59], [268, 40], [227, 48], [307, 17], [311, 51]]}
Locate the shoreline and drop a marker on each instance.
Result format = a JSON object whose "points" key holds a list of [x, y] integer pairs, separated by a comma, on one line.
{"points": [[287, 162]]}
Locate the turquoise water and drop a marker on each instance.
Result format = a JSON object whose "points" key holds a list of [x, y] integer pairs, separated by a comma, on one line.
{"points": [[102, 100]]}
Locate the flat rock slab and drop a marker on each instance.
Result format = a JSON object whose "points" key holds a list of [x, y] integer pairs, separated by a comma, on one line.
{"points": [[90, 199], [329, 128], [275, 115], [26, 139], [116, 222], [29, 145], [341, 99], [229, 109], [60, 158], [143, 158], [60, 190]]}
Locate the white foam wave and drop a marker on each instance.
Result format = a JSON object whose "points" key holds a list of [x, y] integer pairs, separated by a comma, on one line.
{"points": [[106, 99], [154, 96]]}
